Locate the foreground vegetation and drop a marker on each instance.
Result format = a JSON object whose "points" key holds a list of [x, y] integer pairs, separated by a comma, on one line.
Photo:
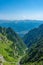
{"points": [[13, 50], [11, 46], [34, 63]]}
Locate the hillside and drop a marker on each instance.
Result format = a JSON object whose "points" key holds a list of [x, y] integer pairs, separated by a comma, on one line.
{"points": [[34, 54], [33, 35], [11, 45], [14, 51]]}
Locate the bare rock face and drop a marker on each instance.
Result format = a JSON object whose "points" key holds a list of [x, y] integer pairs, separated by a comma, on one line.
{"points": [[1, 60]]}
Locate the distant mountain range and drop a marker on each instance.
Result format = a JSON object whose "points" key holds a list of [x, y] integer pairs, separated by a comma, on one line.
{"points": [[21, 26]]}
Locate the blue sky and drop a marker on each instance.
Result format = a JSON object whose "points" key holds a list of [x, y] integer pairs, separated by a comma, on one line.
{"points": [[21, 9]]}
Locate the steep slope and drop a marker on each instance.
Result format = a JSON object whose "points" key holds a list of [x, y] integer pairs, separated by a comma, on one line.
{"points": [[33, 35], [11, 45], [34, 56], [34, 41]]}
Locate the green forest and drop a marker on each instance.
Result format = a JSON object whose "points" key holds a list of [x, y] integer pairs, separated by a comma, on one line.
{"points": [[15, 50]]}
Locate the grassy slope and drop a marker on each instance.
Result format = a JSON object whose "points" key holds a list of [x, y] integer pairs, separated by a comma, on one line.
{"points": [[5, 49], [11, 46]]}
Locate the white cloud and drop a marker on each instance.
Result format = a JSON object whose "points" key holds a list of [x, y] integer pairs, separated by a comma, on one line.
{"points": [[22, 16]]}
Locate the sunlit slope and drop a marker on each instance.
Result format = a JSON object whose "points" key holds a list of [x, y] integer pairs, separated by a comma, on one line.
{"points": [[11, 45]]}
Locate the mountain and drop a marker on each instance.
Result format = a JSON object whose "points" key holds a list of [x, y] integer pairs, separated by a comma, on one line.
{"points": [[14, 50], [11, 46], [33, 35], [34, 54], [21, 27]]}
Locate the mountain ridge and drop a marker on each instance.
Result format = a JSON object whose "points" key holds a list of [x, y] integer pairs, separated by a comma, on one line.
{"points": [[33, 35], [11, 46], [34, 54]]}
